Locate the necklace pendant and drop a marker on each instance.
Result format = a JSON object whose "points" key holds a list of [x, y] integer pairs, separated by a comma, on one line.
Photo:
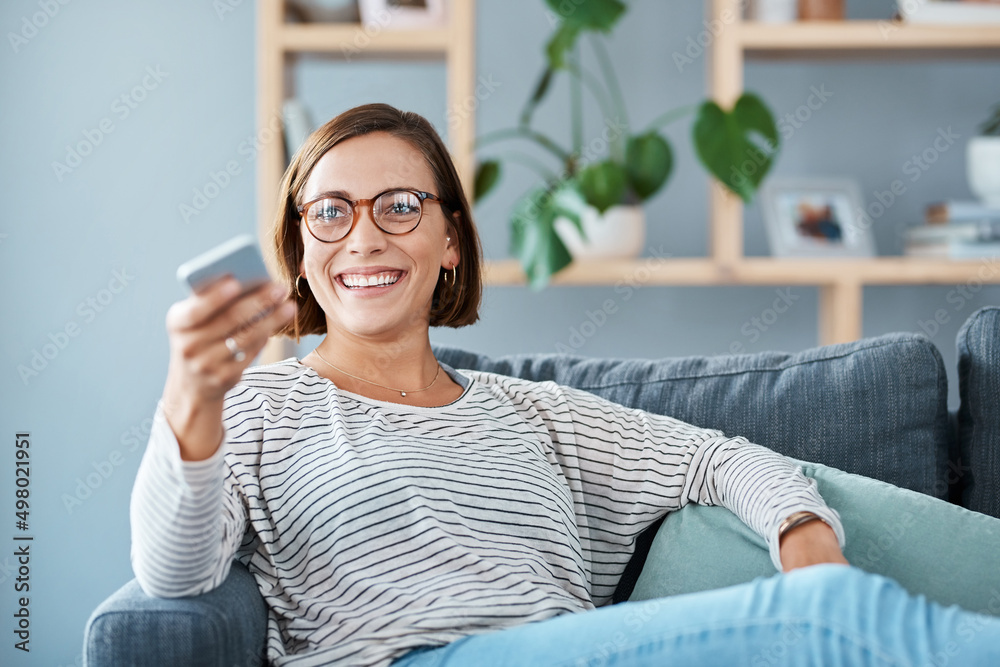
{"points": [[437, 372]]}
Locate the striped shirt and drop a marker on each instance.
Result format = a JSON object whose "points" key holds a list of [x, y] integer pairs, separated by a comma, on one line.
{"points": [[373, 528]]}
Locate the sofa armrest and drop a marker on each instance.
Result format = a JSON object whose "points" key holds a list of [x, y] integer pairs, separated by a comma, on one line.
{"points": [[226, 626]]}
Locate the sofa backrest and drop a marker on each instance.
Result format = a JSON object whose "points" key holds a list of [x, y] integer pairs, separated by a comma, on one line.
{"points": [[978, 468], [876, 407]]}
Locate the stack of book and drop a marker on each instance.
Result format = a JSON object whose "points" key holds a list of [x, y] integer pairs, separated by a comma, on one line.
{"points": [[968, 12], [956, 230]]}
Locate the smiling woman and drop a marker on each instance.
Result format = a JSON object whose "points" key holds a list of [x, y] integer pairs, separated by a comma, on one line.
{"points": [[396, 511]]}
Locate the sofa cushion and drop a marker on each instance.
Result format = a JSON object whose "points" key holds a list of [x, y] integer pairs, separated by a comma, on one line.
{"points": [[876, 407], [929, 546], [978, 346]]}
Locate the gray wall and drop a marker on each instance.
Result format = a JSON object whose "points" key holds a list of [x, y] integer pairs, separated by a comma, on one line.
{"points": [[93, 251]]}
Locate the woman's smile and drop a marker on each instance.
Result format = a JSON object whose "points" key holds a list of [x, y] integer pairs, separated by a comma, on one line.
{"points": [[370, 281]]}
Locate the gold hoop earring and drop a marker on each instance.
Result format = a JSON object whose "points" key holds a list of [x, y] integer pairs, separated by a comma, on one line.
{"points": [[454, 277], [297, 292]]}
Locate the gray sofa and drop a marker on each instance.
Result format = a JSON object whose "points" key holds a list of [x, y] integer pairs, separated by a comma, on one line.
{"points": [[876, 408]]}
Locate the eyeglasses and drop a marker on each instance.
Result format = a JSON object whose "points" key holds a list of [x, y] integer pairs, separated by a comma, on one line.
{"points": [[331, 219]]}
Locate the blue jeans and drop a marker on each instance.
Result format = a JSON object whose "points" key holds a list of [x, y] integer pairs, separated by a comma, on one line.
{"points": [[821, 615]]}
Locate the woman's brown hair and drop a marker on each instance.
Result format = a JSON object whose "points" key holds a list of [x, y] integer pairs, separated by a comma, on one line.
{"points": [[454, 304]]}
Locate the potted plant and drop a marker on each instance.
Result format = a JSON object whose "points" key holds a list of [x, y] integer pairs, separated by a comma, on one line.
{"points": [[587, 195], [983, 161]]}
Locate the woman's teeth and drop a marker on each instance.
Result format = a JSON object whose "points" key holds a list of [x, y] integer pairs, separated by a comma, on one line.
{"points": [[376, 280]]}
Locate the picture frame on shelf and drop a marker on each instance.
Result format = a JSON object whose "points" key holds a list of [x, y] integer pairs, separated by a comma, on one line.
{"points": [[403, 14], [815, 217], [322, 11]]}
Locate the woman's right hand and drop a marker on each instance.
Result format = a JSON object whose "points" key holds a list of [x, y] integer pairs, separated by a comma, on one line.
{"points": [[202, 367]]}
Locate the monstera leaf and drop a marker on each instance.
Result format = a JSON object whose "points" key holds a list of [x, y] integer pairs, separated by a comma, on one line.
{"points": [[648, 161], [577, 16], [603, 184], [534, 240], [570, 203], [487, 175], [737, 147]]}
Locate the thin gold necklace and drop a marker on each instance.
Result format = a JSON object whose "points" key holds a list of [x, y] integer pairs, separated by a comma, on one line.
{"points": [[401, 392]]}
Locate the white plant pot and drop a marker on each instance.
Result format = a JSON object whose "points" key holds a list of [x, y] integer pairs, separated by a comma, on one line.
{"points": [[773, 11], [983, 168], [619, 233]]}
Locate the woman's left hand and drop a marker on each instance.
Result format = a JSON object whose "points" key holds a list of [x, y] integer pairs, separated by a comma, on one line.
{"points": [[811, 543]]}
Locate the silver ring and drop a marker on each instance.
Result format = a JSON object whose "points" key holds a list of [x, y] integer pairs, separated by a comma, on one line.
{"points": [[234, 349]]}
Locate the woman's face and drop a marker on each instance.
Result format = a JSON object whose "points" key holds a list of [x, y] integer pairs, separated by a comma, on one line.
{"points": [[410, 264]]}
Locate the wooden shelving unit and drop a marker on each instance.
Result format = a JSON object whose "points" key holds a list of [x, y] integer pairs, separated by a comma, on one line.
{"points": [[841, 282], [331, 38], [759, 271], [862, 38], [279, 42]]}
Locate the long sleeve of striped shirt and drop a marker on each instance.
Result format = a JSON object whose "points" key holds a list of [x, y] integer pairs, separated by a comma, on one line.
{"points": [[373, 528], [626, 468], [188, 518]]}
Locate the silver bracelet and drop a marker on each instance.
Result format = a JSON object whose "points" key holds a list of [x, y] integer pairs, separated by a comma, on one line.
{"points": [[795, 520]]}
